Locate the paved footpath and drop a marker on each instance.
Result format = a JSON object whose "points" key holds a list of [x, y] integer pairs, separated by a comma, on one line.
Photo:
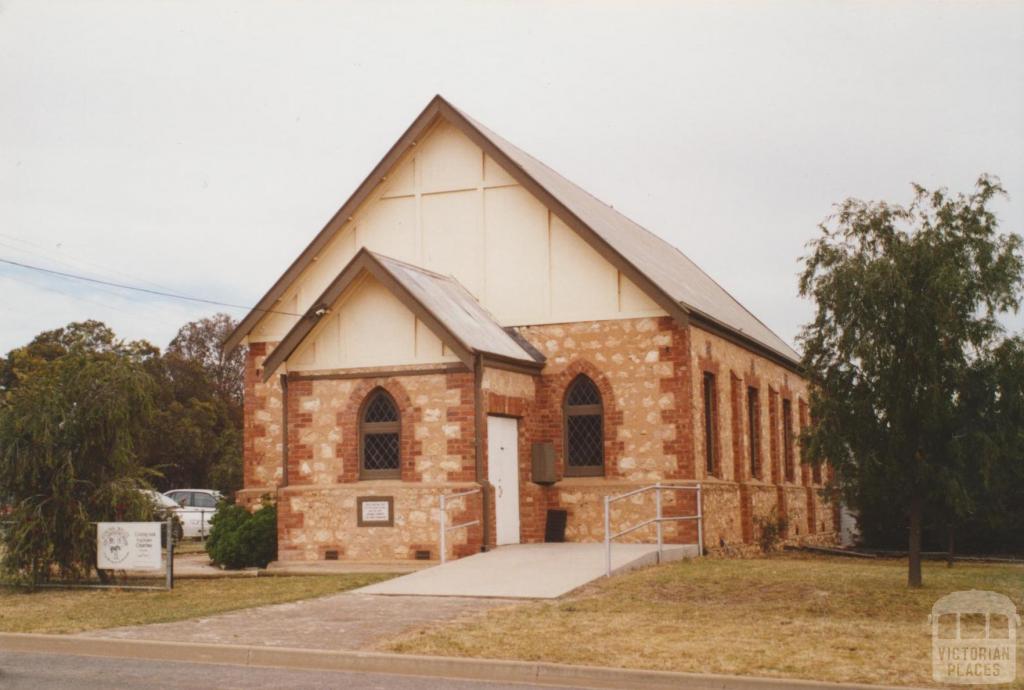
{"points": [[30, 671], [347, 621]]}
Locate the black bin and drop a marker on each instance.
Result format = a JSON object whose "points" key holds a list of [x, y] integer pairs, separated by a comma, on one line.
{"points": [[554, 530]]}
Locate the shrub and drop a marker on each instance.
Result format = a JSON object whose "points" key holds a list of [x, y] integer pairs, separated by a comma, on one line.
{"points": [[240, 539], [771, 529]]}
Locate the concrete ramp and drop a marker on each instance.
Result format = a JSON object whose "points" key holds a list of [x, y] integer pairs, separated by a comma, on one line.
{"points": [[526, 571]]}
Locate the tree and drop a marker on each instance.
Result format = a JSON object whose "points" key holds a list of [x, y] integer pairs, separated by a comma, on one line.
{"points": [[84, 336], [907, 305], [67, 458], [195, 438], [200, 342]]}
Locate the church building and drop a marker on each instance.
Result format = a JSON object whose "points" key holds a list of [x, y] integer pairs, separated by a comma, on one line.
{"points": [[471, 323]]}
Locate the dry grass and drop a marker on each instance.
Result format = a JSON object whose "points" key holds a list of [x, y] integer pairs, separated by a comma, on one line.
{"points": [[824, 619], [68, 611], [189, 546]]}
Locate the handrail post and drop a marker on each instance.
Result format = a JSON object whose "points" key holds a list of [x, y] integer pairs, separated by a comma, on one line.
{"points": [[700, 523], [607, 536], [657, 505], [444, 547]]}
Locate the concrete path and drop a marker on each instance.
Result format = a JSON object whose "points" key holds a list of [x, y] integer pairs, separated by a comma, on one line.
{"points": [[346, 621], [525, 571]]}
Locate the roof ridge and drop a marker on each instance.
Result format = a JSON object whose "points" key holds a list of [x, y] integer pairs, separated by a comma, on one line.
{"points": [[407, 264]]}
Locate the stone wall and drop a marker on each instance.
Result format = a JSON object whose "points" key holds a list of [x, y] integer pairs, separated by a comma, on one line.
{"points": [[315, 520], [638, 365], [735, 371], [261, 429], [650, 375], [318, 507]]}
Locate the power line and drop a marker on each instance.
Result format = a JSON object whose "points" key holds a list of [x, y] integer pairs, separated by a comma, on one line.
{"points": [[92, 264], [139, 289]]}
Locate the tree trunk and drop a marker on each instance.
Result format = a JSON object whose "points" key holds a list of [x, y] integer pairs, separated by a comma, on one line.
{"points": [[914, 550], [949, 546]]}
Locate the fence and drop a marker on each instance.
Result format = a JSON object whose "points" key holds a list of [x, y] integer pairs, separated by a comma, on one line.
{"points": [[167, 549]]}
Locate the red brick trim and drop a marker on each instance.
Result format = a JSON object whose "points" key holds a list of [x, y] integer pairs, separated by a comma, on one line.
{"points": [[681, 388], [805, 469], [550, 423], [740, 469], [464, 415], [774, 415]]}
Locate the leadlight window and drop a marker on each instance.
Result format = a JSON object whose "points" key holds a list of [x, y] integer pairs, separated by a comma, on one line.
{"points": [[379, 438], [584, 429], [789, 459], [754, 431], [710, 413]]}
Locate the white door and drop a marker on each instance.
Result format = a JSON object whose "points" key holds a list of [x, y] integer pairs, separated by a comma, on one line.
{"points": [[503, 473]]}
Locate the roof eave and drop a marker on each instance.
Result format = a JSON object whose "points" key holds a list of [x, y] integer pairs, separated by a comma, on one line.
{"points": [[729, 333]]}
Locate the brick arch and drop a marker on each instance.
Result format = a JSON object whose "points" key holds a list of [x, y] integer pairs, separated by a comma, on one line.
{"points": [[558, 387], [349, 418]]}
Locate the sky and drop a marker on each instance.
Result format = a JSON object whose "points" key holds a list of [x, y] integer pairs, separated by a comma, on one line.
{"points": [[197, 147]]}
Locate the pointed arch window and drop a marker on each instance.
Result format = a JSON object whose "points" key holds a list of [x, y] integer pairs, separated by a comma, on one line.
{"points": [[584, 429], [379, 437]]}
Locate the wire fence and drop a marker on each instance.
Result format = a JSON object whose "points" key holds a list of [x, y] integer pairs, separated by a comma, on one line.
{"points": [[132, 579]]}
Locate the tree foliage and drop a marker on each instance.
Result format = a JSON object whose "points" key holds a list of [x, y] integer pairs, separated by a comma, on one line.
{"points": [[904, 353], [67, 459], [196, 434], [87, 419]]}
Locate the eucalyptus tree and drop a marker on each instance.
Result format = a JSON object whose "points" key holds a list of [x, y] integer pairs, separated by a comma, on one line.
{"points": [[907, 306], [67, 458]]}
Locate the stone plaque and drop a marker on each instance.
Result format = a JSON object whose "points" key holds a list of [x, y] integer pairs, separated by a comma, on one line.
{"points": [[375, 511]]}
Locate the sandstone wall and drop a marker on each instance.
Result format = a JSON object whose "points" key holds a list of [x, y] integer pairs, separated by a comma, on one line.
{"points": [[261, 429], [318, 507], [315, 520]]}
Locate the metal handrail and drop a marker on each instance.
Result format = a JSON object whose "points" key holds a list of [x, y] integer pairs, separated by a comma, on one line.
{"points": [[656, 520], [443, 516]]}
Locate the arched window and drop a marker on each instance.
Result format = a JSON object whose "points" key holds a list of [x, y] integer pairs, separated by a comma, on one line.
{"points": [[379, 436], [584, 429]]}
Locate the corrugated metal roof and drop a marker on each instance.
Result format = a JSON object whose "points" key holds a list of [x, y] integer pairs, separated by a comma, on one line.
{"points": [[456, 309], [660, 261]]}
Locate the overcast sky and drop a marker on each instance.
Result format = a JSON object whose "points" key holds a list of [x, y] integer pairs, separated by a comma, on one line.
{"points": [[196, 147]]}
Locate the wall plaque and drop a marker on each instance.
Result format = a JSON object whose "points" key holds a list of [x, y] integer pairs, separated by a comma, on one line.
{"points": [[375, 511]]}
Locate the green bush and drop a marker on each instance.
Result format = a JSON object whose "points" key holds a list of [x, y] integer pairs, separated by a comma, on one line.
{"points": [[772, 529], [240, 539]]}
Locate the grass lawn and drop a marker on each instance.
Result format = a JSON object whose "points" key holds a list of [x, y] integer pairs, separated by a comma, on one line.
{"points": [[68, 611], [190, 546], [789, 616]]}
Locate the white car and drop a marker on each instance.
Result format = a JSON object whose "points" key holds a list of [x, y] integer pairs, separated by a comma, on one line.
{"points": [[197, 506], [165, 508]]}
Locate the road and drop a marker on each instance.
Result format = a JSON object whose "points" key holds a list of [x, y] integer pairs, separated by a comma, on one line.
{"points": [[31, 671]]}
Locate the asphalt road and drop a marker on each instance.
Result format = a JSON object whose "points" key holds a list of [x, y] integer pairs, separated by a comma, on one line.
{"points": [[30, 671]]}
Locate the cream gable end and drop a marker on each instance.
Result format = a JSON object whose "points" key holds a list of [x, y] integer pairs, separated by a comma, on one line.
{"points": [[368, 327], [448, 207]]}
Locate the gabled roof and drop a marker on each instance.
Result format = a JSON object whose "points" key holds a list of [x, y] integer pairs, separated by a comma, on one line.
{"points": [[440, 302], [670, 278]]}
